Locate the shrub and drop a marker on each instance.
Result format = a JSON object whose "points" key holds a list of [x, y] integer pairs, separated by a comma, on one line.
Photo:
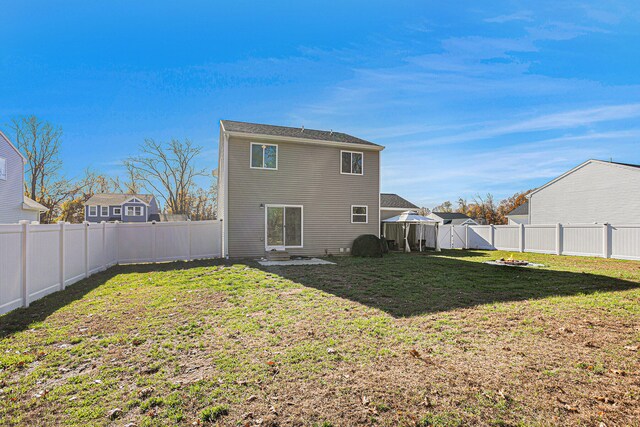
{"points": [[367, 245], [385, 245]]}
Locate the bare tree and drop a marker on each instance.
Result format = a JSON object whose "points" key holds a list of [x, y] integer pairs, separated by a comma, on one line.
{"points": [[444, 207], [167, 170], [72, 209], [40, 142]]}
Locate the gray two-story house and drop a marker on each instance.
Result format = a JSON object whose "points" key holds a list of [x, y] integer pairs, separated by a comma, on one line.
{"points": [[121, 207], [14, 205], [309, 192]]}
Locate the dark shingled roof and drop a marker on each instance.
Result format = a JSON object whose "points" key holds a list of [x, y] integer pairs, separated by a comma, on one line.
{"points": [[451, 215], [108, 199], [624, 164], [390, 200], [320, 135], [523, 209]]}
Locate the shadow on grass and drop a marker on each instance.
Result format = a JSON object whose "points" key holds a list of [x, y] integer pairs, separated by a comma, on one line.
{"points": [[20, 319], [410, 285]]}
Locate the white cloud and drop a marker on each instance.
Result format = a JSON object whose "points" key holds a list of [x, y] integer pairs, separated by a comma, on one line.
{"points": [[523, 15]]}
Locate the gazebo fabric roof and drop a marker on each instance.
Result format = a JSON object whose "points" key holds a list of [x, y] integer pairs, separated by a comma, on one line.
{"points": [[410, 217]]}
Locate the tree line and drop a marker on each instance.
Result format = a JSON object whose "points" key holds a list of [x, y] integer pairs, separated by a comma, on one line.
{"points": [[485, 210], [164, 169]]}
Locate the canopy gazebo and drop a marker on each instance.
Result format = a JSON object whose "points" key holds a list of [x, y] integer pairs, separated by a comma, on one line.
{"points": [[406, 219]]}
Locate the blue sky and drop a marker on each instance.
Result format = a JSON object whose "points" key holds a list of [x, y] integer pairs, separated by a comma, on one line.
{"points": [[471, 98]]}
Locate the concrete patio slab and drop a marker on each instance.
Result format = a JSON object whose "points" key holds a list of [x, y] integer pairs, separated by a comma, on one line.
{"points": [[310, 261]]}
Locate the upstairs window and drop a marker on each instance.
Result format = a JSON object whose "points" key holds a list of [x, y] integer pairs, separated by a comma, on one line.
{"points": [[104, 210], [93, 211], [351, 162], [264, 156], [3, 169], [359, 214]]}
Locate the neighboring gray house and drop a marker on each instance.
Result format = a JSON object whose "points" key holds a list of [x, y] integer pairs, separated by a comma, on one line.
{"points": [[121, 207], [452, 218], [391, 205], [309, 192], [14, 205], [595, 191], [519, 215]]}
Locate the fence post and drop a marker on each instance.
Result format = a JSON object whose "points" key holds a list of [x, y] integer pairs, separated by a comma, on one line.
{"points": [[492, 236], [61, 268], [116, 230], [104, 245], [25, 263], [189, 238], [466, 236], [606, 242], [558, 239], [222, 241], [86, 248], [521, 237], [154, 252]]}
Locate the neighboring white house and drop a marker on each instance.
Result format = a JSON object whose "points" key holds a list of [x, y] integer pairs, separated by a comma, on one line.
{"points": [[452, 218], [14, 205], [519, 215], [594, 192]]}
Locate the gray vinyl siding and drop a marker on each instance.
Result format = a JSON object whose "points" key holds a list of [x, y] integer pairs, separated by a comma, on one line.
{"points": [[518, 219], [307, 175], [597, 192], [390, 213], [12, 190]]}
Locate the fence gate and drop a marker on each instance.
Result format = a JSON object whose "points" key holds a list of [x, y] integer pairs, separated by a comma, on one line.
{"points": [[444, 236], [458, 233]]}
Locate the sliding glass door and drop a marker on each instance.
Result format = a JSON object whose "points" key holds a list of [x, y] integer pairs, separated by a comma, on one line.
{"points": [[283, 225]]}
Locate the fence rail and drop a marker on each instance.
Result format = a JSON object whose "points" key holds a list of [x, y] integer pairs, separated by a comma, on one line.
{"points": [[600, 240], [38, 259]]}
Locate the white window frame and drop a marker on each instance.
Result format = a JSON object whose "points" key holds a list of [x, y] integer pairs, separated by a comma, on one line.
{"points": [[117, 210], [266, 207], [102, 208], [93, 208], [133, 208], [351, 163], [3, 162], [266, 145], [366, 214]]}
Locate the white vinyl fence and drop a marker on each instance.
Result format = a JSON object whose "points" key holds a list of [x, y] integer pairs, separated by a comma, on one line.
{"points": [[601, 240], [38, 259]]}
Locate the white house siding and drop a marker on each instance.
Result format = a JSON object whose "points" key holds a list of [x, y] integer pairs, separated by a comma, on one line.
{"points": [[307, 175], [12, 190], [596, 192], [518, 219]]}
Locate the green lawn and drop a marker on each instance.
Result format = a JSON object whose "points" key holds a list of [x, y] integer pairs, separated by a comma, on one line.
{"points": [[407, 340]]}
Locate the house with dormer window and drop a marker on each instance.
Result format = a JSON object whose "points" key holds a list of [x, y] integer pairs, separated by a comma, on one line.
{"points": [[303, 191], [111, 207]]}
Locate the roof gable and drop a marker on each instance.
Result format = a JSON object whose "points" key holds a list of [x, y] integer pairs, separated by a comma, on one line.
{"points": [[629, 166], [109, 199], [3, 136], [291, 132]]}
